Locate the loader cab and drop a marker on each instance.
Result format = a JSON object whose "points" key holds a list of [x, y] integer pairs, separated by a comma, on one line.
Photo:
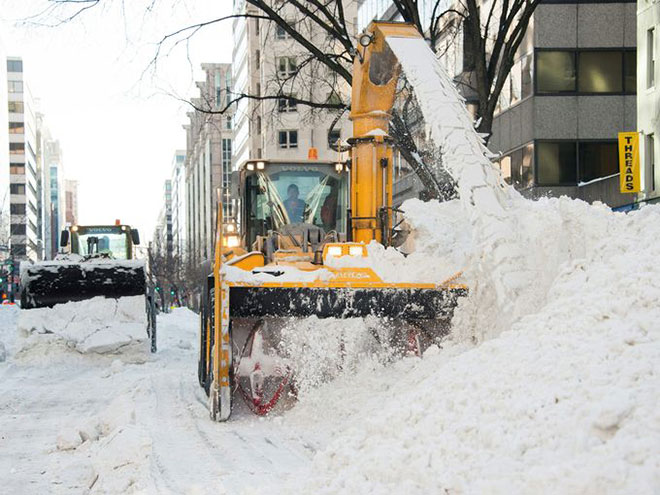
{"points": [[280, 196], [117, 241]]}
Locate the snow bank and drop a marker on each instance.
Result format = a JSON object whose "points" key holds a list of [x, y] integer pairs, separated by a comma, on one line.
{"points": [[8, 316], [113, 448], [561, 393], [98, 325], [563, 401]]}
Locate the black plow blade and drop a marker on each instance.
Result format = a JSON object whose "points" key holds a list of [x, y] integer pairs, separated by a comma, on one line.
{"points": [[45, 285]]}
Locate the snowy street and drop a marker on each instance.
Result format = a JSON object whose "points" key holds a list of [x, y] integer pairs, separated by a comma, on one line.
{"points": [[565, 397], [150, 413]]}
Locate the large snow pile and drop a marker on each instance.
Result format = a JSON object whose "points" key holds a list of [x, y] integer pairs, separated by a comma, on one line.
{"points": [[560, 392], [564, 401], [98, 325]]}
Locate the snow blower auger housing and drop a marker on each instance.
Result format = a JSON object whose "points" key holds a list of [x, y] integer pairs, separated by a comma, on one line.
{"points": [[95, 260], [301, 248]]}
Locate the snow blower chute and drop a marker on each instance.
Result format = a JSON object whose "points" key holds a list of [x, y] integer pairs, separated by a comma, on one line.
{"points": [[300, 249]]}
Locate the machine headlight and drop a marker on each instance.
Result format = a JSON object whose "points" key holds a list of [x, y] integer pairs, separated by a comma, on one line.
{"points": [[230, 227], [74, 228], [339, 167], [334, 251], [356, 251], [261, 165], [250, 166], [232, 241]]}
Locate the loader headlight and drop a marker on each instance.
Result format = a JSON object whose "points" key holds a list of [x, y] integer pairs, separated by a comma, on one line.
{"points": [[74, 228], [334, 251], [250, 166], [356, 251], [230, 227], [261, 165], [232, 241], [339, 167]]}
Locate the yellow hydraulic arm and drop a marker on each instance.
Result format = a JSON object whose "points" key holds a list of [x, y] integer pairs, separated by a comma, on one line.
{"points": [[375, 77]]}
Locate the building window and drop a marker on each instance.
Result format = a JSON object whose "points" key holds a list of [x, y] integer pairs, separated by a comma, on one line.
{"points": [[18, 250], [515, 79], [597, 160], [287, 104], [556, 163], [228, 122], [226, 162], [333, 137], [15, 107], [527, 80], [257, 59], [650, 58], [600, 72], [527, 166], [14, 66], [16, 148], [17, 168], [286, 66], [218, 88], [281, 33], [650, 162], [555, 72], [630, 71], [258, 124], [505, 169], [333, 98], [586, 71], [17, 188], [568, 163], [15, 86], [288, 139], [17, 208], [17, 229], [517, 169], [228, 84], [16, 128]]}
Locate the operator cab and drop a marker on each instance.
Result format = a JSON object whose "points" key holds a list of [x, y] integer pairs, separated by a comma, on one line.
{"points": [[116, 241], [295, 200]]}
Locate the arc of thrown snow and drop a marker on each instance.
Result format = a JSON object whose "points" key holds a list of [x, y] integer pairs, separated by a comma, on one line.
{"points": [[482, 192]]}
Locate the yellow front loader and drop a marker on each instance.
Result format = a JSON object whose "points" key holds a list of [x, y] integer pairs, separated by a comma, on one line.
{"points": [[296, 220]]}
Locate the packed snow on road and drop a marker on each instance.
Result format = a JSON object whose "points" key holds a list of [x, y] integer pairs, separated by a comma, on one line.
{"points": [[561, 398]]}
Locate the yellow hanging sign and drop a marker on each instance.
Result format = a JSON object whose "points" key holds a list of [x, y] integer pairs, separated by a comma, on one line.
{"points": [[629, 162]]}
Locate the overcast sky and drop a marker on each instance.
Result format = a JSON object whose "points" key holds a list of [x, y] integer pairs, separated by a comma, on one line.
{"points": [[117, 124]]}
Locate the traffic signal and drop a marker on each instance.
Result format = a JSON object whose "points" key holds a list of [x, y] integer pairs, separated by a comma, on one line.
{"points": [[171, 292], [157, 289]]}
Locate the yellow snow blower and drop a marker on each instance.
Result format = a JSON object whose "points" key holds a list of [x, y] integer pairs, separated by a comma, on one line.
{"points": [[300, 226]]}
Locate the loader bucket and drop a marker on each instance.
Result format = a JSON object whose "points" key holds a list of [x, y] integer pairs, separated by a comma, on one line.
{"points": [[49, 283]]}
